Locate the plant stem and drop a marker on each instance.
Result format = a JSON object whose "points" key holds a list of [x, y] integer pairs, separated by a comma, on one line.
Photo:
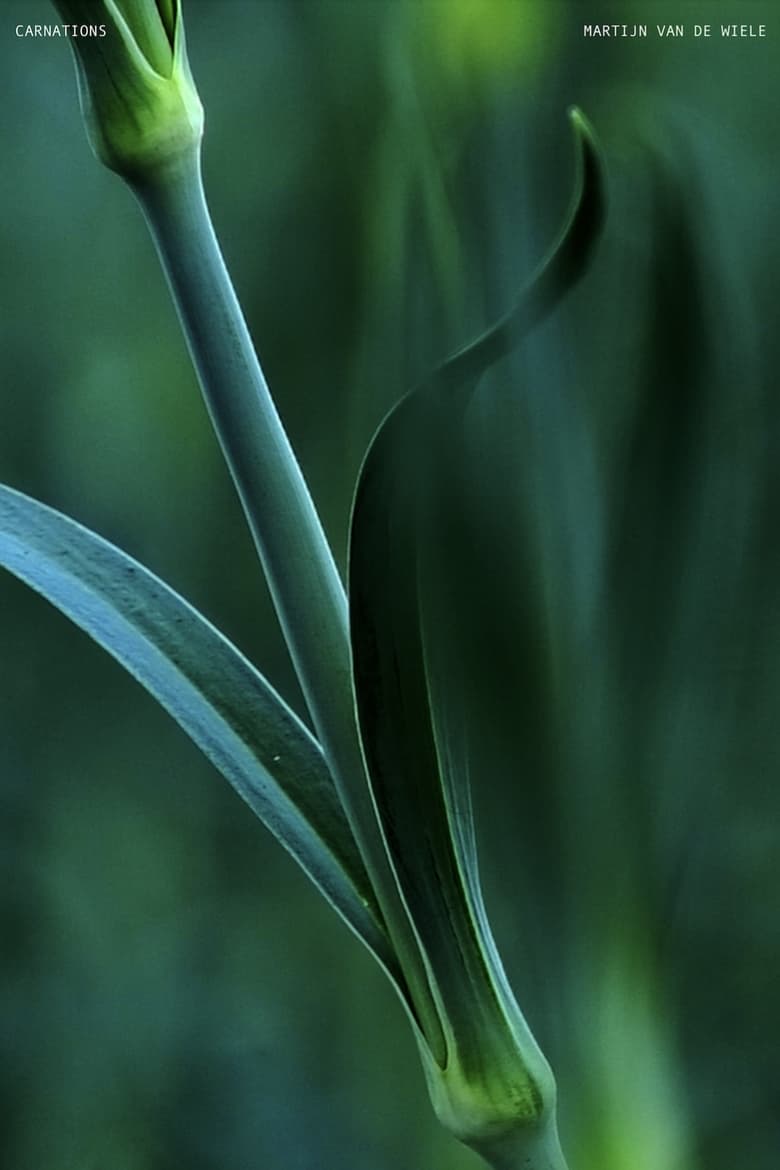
{"points": [[302, 576]]}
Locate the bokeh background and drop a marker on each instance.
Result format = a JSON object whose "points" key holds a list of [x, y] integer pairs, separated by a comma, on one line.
{"points": [[384, 175]]}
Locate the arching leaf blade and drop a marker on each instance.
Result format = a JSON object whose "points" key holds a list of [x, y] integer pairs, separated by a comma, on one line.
{"points": [[412, 702], [564, 265], [408, 483], [213, 692]]}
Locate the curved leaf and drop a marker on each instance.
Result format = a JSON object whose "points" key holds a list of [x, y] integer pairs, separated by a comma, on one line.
{"points": [[225, 706], [565, 264], [410, 698]]}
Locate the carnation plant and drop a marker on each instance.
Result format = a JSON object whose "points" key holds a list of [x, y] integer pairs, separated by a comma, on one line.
{"points": [[375, 804]]}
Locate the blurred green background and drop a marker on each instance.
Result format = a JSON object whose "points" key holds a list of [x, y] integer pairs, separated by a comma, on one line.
{"points": [[384, 177]]}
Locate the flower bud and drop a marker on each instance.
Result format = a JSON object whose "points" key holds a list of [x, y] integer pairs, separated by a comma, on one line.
{"points": [[138, 99]]}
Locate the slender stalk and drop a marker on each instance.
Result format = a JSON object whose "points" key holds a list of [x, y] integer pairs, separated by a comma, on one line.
{"points": [[302, 576]]}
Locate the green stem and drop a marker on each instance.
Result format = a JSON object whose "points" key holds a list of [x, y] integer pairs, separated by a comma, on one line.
{"points": [[302, 576]]}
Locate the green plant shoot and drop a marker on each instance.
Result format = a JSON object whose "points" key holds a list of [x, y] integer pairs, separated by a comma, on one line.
{"points": [[375, 806]]}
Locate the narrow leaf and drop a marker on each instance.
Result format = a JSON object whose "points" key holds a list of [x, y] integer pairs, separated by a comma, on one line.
{"points": [[412, 714], [398, 555], [565, 264], [220, 700]]}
